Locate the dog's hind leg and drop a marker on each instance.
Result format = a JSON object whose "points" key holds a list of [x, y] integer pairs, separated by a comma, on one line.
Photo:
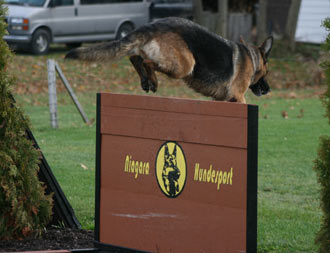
{"points": [[137, 62], [151, 76], [146, 73]]}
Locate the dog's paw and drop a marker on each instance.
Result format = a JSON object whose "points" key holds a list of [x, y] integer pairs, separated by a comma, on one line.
{"points": [[145, 85], [152, 86]]}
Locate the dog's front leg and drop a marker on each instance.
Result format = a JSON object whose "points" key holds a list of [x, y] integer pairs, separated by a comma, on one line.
{"points": [[241, 100]]}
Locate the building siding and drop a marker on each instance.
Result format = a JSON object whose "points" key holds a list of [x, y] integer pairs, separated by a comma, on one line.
{"points": [[311, 15]]}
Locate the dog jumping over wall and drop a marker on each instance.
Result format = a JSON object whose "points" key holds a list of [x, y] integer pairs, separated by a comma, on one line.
{"points": [[181, 49]]}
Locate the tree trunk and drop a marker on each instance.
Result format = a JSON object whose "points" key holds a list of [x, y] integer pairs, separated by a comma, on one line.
{"points": [[198, 11], [291, 25], [262, 21], [222, 24]]}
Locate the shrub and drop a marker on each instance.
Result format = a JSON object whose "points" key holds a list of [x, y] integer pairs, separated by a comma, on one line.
{"points": [[322, 162], [326, 65], [24, 207], [322, 167]]}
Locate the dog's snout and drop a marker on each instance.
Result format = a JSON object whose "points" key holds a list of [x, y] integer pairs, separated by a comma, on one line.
{"points": [[264, 92], [264, 87]]}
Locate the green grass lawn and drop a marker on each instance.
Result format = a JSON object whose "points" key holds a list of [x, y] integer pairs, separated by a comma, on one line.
{"points": [[288, 198]]}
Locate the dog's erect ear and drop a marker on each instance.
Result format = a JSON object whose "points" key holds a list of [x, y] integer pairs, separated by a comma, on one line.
{"points": [[267, 46]]}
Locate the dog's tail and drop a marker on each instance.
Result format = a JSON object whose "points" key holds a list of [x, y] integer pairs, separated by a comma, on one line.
{"points": [[107, 51]]}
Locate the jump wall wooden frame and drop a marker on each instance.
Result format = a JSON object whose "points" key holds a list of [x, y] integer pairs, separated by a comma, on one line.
{"points": [[215, 211]]}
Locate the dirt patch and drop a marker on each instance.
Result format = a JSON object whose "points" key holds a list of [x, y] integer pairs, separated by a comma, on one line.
{"points": [[52, 239]]}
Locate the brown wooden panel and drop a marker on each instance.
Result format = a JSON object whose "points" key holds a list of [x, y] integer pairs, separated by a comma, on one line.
{"points": [[135, 213], [195, 128], [146, 143], [190, 106]]}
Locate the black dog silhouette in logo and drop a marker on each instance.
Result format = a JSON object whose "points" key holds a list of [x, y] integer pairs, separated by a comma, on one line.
{"points": [[171, 172]]}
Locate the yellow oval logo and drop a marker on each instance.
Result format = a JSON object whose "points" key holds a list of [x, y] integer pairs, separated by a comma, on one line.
{"points": [[171, 169]]}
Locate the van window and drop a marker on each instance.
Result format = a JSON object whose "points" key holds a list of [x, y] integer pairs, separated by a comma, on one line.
{"points": [[107, 1], [67, 2], [61, 2], [26, 2]]}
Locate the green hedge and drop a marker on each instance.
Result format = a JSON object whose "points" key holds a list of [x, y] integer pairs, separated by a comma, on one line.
{"points": [[322, 167], [326, 66], [24, 207], [322, 162]]}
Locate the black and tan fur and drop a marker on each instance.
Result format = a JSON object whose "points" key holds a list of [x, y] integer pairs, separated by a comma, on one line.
{"points": [[208, 63]]}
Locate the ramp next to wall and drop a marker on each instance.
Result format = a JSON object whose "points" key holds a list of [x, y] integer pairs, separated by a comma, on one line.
{"points": [[63, 213]]}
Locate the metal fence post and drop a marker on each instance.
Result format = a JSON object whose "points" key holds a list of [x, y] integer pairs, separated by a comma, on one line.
{"points": [[71, 93], [52, 93]]}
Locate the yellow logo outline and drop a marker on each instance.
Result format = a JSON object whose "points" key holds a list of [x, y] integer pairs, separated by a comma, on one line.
{"points": [[171, 169]]}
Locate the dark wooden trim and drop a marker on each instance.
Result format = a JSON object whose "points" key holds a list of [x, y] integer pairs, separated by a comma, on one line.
{"points": [[98, 170], [117, 249], [252, 180], [91, 250]]}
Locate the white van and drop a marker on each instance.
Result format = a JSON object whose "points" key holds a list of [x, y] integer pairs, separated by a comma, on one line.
{"points": [[37, 23]]}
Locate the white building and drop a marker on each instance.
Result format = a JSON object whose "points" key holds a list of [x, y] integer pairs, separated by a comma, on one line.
{"points": [[311, 16]]}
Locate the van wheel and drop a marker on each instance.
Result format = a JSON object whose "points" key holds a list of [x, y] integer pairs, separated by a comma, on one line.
{"points": [[40, 42], [123, 30]]}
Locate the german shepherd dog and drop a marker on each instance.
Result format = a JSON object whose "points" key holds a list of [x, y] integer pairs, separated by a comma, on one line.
{"points": [[208, 63], [171, 172]]}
